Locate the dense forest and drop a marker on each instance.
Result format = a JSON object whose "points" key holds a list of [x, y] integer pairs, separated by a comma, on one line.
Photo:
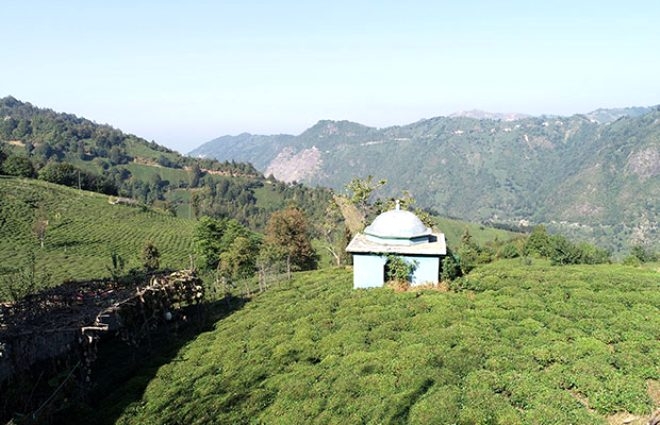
{"points": [[595, 177], [65, 149]]}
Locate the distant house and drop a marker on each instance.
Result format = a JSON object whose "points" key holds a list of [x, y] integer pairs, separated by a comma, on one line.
{"points": [[123, 201], [400, 233]]}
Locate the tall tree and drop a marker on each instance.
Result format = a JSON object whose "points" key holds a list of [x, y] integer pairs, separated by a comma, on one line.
{"points": [[238, 262], [289, 232], [195, 203], [360, 191], [538, 243], [207, 238], [331, 232], [195, 175], [214, 236]]}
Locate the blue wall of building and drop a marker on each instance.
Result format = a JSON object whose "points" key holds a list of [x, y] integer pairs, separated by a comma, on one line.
{"points": [[427, 269], [369, 270]]}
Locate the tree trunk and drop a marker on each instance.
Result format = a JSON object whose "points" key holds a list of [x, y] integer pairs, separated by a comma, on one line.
{"points": [[262, 280], [288, 267], [334, 254]]}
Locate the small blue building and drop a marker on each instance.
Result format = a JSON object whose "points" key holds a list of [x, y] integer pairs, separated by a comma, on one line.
{"points": [[400, 233]]}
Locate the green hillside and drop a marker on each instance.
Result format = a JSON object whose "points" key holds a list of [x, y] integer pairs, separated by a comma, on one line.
{"points": [[260, 149], [598, 181], [83, 231], [73, 151], [517, 345], [453, 230]]}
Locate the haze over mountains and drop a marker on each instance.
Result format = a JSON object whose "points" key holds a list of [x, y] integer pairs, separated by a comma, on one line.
{"points": [[595, 175], [513, 341]]}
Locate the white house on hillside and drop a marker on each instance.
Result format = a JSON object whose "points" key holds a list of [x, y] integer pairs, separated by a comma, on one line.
{"points": [[400, 233]]}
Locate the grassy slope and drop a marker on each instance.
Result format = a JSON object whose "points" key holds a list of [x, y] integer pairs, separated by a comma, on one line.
{"points": [[145, 172], [453, 230], [83, 230], [266, 197], [528, 344]]}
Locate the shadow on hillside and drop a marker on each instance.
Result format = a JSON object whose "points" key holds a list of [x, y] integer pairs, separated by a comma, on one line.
{"points": [[121, 373]]}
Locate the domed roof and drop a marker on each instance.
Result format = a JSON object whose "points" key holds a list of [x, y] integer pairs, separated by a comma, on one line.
{"points": [[397, 224]]}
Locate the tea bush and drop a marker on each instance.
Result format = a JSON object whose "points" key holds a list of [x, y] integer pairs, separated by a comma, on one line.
{"points": [[525, 344]]}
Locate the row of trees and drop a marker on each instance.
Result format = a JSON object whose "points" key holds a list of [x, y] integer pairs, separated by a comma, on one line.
{"points": [[539, 244], [561, 251], [235, 253], [62, 173]]}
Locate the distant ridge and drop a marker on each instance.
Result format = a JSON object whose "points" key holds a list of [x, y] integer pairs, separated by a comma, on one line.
{"points": [[484, 115], [603, 115], [594, 176], [256, 149]]}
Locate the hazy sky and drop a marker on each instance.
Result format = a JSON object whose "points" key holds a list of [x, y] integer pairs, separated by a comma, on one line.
{"points": [[184, 72]]}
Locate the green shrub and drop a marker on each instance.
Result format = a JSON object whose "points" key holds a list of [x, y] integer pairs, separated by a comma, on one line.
{"points": [[451, 268], [565, 252], [642, 254], [632, 260], [508, 250], [398, 269], [18, 165]]}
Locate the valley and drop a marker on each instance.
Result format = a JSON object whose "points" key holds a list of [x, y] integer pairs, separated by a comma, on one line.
{"points": [[527, 323], [293, 213], [594, 177]]}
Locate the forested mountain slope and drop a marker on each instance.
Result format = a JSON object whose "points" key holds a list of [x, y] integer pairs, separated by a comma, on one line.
{"points": [[69, 150], [591, 179]]}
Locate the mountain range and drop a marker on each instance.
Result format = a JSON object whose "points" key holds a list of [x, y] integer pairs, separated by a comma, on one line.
{"points": [[594, 176]]}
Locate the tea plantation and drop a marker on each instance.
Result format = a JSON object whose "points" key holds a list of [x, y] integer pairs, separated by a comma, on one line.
{"points": [[512, 343], [83, 230]]}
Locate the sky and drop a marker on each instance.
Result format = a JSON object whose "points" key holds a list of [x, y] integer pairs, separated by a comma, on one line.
{"points": [[185, 72]]}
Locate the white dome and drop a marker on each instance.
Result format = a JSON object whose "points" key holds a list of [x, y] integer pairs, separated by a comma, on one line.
{"points": [[397, 224]]}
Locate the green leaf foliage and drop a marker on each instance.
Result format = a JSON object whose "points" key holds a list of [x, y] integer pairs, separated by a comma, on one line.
{"points": [[239, 260], [214, 236], [535, 344], [18, 165], [399, 270]]}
